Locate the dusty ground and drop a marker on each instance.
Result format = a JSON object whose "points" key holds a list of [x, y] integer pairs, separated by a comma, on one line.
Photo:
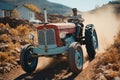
{"points": [[47, 69]]}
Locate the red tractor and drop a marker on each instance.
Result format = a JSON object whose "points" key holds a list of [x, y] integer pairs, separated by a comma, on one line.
{"points": [[56, 39]]}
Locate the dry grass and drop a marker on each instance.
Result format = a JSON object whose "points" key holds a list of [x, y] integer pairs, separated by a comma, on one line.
{"points": [[4, 26], [13, 32], [10, 59], [3, 56], [6, 57], [23, 30], [11, 46], [17, 44], [5, 38], [112, 56], [111, 59]]}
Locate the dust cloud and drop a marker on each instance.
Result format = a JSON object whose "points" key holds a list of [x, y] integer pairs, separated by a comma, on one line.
{"points": [[106, 24]]}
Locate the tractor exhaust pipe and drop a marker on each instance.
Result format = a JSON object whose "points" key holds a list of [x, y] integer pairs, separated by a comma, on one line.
{"points": [[45, 15]]}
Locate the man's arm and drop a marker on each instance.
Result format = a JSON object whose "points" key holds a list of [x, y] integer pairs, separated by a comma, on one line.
{"points": [[80, 18], [70, 19]]}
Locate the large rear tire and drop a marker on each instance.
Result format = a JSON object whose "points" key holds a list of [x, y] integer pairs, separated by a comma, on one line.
{"points": [[28, 63], [91, 40], [75, 57]]}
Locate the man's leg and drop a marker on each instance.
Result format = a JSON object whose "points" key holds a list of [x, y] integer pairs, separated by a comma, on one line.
{"points": [[81, 30], [77, 33]]}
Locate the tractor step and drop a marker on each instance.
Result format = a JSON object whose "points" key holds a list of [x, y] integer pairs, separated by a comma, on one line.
{"points": [[82, 40]]}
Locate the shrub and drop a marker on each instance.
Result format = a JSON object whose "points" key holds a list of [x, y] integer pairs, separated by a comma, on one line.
{"points": [[2, 25], [5, 38], [11, 46], [7, 26], [13, 32], [3, 56], [112, 56], [17, 44], [23, 30], [10, 59]]}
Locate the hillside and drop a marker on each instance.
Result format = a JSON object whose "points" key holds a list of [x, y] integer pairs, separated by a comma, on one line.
{"points": [[53, 8]]}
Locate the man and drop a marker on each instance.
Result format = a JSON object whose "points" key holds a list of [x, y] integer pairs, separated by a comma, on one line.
{"points": [[77, 19]]}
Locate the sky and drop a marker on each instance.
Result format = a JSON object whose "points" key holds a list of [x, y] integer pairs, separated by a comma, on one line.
{"points": [[81, 5]]}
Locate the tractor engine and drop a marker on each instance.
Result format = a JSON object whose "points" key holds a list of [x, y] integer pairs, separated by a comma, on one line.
{"points": [[53, 35]]}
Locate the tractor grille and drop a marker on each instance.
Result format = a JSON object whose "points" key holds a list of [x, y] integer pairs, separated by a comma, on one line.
{"points": [[46, 37]]}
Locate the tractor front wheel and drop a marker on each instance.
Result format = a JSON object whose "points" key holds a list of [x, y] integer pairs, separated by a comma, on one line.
{"points": [[28, 63], [75, 57]]}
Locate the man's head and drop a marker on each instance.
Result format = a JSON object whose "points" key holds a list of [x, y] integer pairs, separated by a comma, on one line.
{"points": [[74, 11]]}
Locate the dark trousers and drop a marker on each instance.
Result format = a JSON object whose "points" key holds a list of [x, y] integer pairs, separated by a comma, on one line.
{"points": [[79, 31]]}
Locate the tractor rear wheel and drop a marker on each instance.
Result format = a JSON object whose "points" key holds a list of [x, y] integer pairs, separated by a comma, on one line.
{"points": [[91, 41], [75, 57], [28, 63]]}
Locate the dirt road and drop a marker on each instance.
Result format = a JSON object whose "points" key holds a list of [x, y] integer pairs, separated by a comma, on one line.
{"points": [[47, 69]]}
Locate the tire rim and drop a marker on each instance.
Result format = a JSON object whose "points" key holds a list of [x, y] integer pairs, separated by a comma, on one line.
{"points": [[31, 60], [78, 58], [95, 41]]}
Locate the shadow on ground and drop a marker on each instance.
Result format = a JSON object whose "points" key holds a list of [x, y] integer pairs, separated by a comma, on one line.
{"points": [[58, 72]]}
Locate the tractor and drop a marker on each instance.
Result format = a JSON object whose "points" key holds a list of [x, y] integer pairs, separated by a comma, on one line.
{"points": [[56, 39]]}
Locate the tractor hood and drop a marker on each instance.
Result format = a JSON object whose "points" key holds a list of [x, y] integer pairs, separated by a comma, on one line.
{"points": [[60, 27]]}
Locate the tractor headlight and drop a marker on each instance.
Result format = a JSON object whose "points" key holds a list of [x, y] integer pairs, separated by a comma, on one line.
{"points": [[62, 35], [31, 36]]}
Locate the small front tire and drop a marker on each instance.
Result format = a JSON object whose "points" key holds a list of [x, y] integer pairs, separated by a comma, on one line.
{"points": [[28, 63], [75, 57]]}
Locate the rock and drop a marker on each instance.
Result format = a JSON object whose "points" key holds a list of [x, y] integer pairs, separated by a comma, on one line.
{"points": [[1, 78], [8, 64], [116, 78], [17, 49], [4, 47], [3, 64], [109, 66], [7, 69], [99, 70], [24, 42], [100, 76], [109, 74], [1, 70], [13, 22], [18, 61], [3, 31], [13, 52], [15, 63]]}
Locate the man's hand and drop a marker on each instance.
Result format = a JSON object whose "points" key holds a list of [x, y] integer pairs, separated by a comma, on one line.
{"points": [[81, 20]]}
